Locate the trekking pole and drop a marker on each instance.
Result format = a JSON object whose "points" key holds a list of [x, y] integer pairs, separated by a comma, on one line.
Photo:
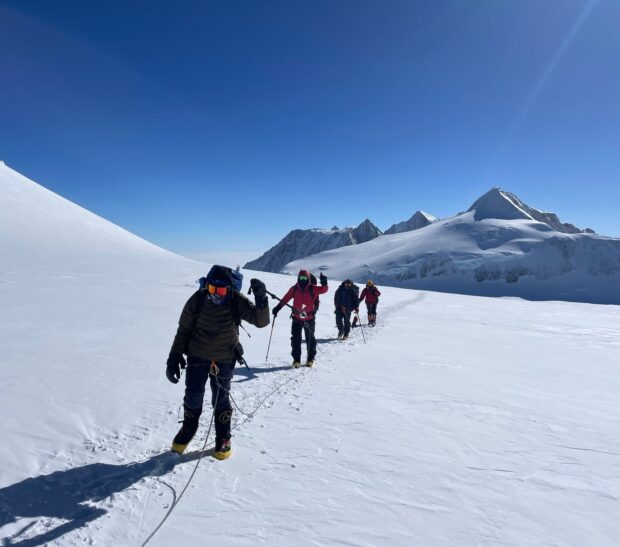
{"points": [[295, 310], [360, 324], [269, 345]]}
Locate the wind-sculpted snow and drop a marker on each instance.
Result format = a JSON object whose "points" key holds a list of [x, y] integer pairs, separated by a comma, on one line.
{"points": [[517, 257], [300, 243]]}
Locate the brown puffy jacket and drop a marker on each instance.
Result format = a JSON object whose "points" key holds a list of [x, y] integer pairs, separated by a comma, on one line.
{"points": [[213, 333]]}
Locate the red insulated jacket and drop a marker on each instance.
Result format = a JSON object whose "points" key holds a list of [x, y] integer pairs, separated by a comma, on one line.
{"points": [[371, 294], [303, 299]]}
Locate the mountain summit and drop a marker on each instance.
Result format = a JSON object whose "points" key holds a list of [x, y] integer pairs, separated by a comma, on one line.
{"points": [[420, 219], [499, 204]]}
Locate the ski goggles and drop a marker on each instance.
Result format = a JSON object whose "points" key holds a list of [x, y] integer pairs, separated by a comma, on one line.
{"points": [[303, 278], [220, 291]]}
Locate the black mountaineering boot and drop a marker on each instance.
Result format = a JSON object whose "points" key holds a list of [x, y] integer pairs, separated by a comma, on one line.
{"points": [[188, 429]]}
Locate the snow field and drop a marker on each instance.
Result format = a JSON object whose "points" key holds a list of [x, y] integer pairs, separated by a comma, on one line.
{"points": [[462, 421]]}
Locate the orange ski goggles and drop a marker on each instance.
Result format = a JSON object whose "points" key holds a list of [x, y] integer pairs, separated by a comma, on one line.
{"points": [[220, 291]]}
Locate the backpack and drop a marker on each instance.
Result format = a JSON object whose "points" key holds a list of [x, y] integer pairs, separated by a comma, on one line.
{"points": [[235, 275]]}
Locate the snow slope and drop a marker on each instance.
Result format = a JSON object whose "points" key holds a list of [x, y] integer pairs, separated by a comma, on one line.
{"points": [[500, 254], [461, 421], [40, 229]]}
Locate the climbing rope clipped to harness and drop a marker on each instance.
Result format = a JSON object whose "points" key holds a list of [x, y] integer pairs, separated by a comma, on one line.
{"points": [[214, 371], [249, 415]]}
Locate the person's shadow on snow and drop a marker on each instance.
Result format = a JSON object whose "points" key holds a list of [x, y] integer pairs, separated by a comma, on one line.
{"points": [[252, 372], [65, 494], [325, 340]]}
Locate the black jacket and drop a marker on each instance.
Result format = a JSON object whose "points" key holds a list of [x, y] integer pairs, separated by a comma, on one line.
{"points": [[346, 297]]}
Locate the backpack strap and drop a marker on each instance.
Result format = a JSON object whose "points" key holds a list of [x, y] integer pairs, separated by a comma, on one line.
{"points": [[201, 300], [235, 308]]}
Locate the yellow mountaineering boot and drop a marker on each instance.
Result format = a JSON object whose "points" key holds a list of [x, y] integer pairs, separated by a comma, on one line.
{"points": [[223, 451]]}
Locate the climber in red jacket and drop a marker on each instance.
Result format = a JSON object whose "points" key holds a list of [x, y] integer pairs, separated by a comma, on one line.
{"points": [[304, 295], [371, 294]]}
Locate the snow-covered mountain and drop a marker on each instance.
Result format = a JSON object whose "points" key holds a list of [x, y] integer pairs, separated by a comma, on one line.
{"points": [[417, 221], [43, 230], [507, 404], [499, 204], [496, 248], [300, 243]]}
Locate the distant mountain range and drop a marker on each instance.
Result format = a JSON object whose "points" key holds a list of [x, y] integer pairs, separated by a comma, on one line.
{"points": [[500, 246], [300, 243]]}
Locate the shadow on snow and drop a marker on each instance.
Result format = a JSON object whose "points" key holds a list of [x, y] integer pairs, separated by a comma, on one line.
{"points": [[66, 494], [252, 372]]}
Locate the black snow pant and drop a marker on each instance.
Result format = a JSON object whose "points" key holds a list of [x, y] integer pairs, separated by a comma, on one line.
{"points": [[220, 376], [343, 321], [308, 328], [372, 311]]}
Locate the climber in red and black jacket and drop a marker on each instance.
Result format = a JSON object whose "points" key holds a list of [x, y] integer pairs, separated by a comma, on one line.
{"points": [[371, 294], [304, 295]]}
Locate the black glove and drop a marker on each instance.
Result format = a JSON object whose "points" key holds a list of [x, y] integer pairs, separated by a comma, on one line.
{"points": [[323, 279], [260, 292], [276, 310], [174, 364]]}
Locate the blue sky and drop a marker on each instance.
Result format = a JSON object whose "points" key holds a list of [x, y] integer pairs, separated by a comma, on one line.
{"points": [[207, 126]]}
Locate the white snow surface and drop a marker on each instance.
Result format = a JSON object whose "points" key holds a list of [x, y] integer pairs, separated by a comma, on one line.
{"points": [[492, 256], [461, 421]]}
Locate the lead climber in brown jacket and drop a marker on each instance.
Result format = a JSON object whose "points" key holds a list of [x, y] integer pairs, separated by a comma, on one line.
{"points": [[208, 334]]}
